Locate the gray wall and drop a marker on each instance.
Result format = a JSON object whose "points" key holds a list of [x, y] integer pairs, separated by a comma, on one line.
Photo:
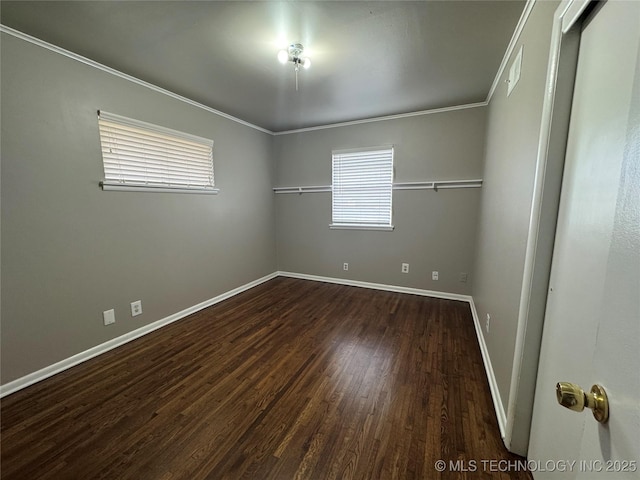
{"points": [[513, 128], [71, 251], [433, 231]]}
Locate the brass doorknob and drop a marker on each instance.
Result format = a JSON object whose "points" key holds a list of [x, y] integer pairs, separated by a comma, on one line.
{"points": [[572, 396]]}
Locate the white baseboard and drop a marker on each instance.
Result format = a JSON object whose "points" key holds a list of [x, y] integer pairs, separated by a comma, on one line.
{"points": [[493, 384], [74, 360], [379, 286]]}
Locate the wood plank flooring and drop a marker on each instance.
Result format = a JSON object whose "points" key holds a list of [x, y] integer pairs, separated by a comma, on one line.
{"points": [[290, 380]]}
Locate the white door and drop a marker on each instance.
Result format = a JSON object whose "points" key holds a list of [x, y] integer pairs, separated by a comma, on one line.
{"points": [[592, 323]]}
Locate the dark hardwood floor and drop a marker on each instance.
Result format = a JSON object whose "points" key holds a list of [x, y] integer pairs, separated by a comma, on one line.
{"points": [[290, 380]]}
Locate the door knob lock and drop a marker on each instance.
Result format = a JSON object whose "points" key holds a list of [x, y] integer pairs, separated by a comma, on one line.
{"points": [[572, 396]]}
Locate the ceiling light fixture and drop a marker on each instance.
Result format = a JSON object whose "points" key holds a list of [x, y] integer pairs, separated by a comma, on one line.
{"points": [[293, 54]]}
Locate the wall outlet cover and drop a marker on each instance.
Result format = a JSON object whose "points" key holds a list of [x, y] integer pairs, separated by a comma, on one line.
{"points": [[136, 308]]}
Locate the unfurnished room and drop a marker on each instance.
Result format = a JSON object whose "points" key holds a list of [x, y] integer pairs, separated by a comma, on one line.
{"points": [[320, 239]]}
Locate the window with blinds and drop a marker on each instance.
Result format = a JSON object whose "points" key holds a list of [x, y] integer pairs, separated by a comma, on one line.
{"points": [[141, 156], [362, 188]]}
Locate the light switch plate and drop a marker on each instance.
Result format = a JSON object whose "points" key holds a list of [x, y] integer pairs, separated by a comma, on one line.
{"points": [[109, 316]]}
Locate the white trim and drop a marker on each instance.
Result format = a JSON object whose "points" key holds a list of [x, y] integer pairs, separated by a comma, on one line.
{"points": [[514, 39], [360, 226], [74, 360], [572, 13], [377, 286], [92, 63], [512, 45], [117, 73], [382, 119], [493, 383], [81, 357], [491, 378], [536, 210], [121, 187]]}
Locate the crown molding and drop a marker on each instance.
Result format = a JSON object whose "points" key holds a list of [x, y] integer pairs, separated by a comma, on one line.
{"points": [[87, 61], [74, 56], [511, 47], [382, 119]]}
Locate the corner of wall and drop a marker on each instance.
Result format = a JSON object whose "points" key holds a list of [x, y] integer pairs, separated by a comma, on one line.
{"points": [[491, 378]]}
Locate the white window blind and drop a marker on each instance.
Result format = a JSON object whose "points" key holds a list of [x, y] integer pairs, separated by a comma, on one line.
{"points": [[142, 156], [362, 188]]}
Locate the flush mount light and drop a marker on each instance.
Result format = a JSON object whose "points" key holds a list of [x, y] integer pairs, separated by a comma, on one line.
{"points": [[293, 54]]}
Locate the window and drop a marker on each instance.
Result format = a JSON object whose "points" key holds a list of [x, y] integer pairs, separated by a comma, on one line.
{"points": [[362, 188], [141, 156]]}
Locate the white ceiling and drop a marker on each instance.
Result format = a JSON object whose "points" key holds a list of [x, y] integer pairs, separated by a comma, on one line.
{"points": [[369, 59]]}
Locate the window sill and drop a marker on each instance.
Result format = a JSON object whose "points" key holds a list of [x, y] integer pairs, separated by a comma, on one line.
{"points": [[119, 187], [347, 226]]}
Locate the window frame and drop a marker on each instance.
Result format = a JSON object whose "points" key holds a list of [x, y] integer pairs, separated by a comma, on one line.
{"points": [[133, 177], [362, 224]]}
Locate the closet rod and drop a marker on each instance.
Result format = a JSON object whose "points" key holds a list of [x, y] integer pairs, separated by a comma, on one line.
{"points": [[430, 185]]}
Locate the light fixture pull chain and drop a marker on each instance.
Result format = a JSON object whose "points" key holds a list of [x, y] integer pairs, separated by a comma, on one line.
{"points": [[293, 54]]}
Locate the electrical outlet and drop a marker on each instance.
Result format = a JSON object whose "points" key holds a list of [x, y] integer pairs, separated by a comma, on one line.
{"points": [[345, 266], [109, 317], [136, 308], [486, 326], [464, 277], [434, 275], [405, 268]]}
